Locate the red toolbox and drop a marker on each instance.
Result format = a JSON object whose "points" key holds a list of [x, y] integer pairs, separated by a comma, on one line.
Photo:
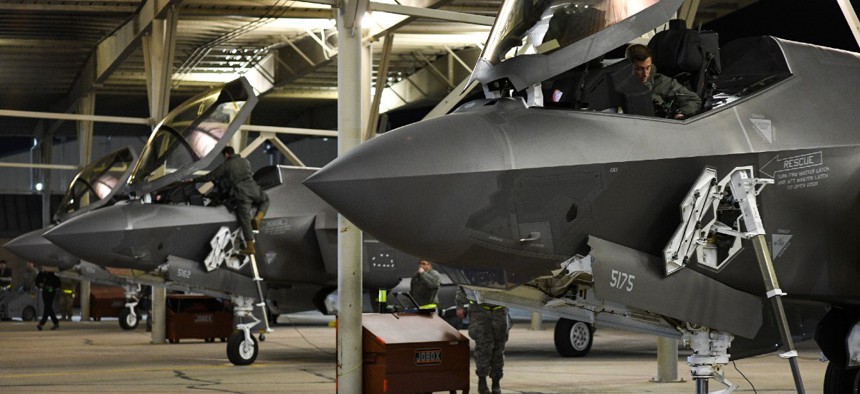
{"points": [[413, 353], [106, 302], [197, 317]]}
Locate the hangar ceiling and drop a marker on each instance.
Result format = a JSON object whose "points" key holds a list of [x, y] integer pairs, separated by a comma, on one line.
{"points": [[48, 48]]}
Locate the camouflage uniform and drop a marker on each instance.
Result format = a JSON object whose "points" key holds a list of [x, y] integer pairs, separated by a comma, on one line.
{"points": [[28, 280], [67, 298], [488, 327], [235, 175]]}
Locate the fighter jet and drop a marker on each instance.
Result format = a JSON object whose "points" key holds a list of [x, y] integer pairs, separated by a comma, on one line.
{"points": [[98, 184], [560, 191], [172, 230]]}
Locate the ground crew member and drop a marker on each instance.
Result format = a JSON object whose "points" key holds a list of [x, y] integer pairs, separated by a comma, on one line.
{"points": [[425, 286], [50, 284], [28, 281], [488, 327], [5, 276], [67, 297], [235, 176]]}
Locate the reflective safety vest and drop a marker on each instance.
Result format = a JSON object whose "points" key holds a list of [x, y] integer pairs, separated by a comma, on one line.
{"points": [[427, 306], [488, 307]]}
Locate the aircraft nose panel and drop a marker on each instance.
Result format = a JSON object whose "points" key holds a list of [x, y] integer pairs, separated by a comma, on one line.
{"points": [[34, 247], [96, 237], [397, 184], [428, 189]]}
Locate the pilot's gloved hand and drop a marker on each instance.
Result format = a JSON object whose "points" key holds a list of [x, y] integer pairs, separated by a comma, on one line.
{"points": [[679, 116]]}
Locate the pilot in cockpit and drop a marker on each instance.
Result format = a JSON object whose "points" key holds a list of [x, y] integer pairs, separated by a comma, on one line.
{"points": [[671, 99]]}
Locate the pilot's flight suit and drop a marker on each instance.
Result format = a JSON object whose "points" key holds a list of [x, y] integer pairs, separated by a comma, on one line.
{"points": [[666, 91], [424, 288], [235, 175], [488, 327]]}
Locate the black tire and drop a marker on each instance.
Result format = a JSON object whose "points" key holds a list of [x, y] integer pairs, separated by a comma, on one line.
{"points": [[128, 321], [238, 353], [28, 314], [573, 338], [841, 381]]}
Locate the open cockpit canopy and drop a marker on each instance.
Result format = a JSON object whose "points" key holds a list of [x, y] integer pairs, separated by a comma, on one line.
{"points": [[533, 40], [96, 184], [192, 135]]}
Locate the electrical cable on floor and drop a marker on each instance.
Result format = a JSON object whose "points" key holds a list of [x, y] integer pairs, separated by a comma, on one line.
{"points": [[291, 323], [744, 376]]}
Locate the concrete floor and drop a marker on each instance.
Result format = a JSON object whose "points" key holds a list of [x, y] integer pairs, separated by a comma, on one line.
{"points": [[300, 357]]}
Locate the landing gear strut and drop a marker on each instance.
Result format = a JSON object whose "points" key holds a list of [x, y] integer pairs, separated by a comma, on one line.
{"points": [[242, 348], [710, 355], [129, 317], [700, 210]]}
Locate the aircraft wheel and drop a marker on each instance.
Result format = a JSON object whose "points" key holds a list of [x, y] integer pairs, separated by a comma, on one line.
{"points": [[28, 314], [838, 380], [573, 338], [239, 351], [127, 320]]}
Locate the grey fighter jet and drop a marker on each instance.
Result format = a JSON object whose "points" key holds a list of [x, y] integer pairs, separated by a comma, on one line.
{"points": [[98, 184], [170, 229], [566, 200]]}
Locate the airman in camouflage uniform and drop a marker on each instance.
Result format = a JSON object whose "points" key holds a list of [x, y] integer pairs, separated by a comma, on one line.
{"points": [[67, 297], [488, 327], [235, 175]]}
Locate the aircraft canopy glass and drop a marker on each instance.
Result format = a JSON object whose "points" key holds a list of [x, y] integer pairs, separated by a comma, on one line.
{"points": [[187, 139], [96, 183], [543, 38], [543, 26]]}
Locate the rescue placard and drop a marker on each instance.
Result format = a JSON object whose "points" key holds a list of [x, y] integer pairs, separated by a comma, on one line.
{"points": [[424, 357]]}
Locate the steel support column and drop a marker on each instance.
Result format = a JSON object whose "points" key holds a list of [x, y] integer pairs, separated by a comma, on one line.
{"points": [[381, 83], [46, 149], [667, 361], [159, 48], [158, 315], [85, 300], [349, 125], [86, 106]]}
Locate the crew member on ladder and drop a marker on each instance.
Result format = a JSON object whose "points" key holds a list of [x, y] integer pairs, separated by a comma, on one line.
{"points": [[425, 286], [235, 175]]}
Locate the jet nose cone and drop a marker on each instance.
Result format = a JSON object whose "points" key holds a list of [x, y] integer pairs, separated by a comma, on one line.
{"points": [[95, 236], [34, 247], [416, 187]]}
